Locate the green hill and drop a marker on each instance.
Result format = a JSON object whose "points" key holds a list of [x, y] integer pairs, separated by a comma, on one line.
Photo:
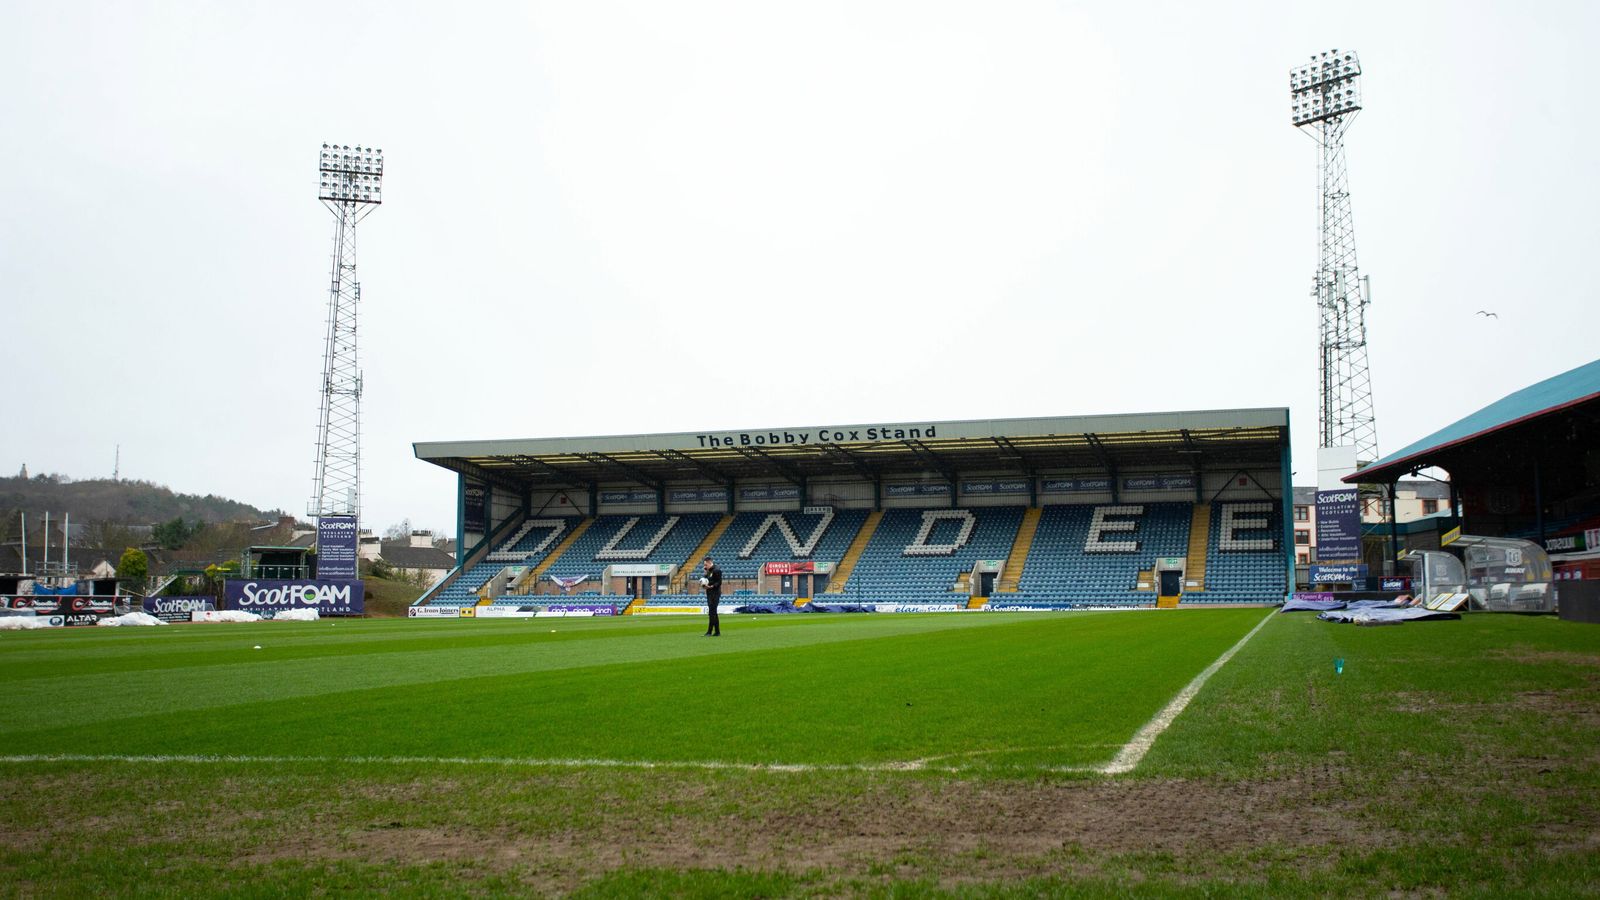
{"points": [[124, 502]]}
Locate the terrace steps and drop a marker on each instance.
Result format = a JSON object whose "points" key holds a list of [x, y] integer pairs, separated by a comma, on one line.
{"points": [[1194, 567], [841, 574], [976, 602], [1012, 573], [634, 606], [680, 578], [566, 542]]}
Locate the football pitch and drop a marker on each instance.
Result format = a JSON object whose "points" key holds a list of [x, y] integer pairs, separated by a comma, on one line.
{"points": [[1189, 751]]}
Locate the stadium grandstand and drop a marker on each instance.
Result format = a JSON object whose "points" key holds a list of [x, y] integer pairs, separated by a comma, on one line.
{"points": [[1156, 509]]}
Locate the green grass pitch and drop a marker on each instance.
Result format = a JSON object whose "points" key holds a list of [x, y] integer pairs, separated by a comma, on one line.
{"points": [[802, 755]]}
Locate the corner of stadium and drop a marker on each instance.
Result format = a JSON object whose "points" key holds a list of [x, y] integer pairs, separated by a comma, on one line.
{"points": [[1152, 510]]}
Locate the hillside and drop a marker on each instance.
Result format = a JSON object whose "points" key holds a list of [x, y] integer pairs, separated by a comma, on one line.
{"points": [[123, 502]]}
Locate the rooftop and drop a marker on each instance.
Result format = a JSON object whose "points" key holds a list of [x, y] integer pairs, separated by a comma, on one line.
{"points": [[793, 453], [1553, 395]]}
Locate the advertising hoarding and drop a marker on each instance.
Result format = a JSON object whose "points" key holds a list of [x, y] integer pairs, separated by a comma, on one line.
{"points": [[475, 509], [1352, 574], [1339, 524], [177, 609], [327, 597], [337, 537]]}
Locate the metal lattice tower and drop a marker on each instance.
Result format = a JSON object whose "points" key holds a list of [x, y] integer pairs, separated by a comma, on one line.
{"points": [[1326, 96], [351, 187]]}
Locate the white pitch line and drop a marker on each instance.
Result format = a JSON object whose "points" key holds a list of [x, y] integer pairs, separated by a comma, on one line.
{"points": [[532, 763], [1133, 751], [1125, 761]]}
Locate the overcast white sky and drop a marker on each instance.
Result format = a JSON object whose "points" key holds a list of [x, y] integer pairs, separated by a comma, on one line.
{"points": [[635, 217]]}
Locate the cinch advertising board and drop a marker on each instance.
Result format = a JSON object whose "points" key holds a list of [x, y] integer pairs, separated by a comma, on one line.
{"points": [[327, 597], [336, 547]]}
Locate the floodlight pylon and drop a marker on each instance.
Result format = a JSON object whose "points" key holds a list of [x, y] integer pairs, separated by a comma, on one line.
{"points": [[1325, 97], [351, 187]]}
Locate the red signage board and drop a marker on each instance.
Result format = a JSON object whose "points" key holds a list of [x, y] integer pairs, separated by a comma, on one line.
{"points": [[790, 568]]}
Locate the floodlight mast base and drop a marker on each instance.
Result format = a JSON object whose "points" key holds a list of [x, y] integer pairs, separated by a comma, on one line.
{"points": [[1326, 99], [351, 186]]}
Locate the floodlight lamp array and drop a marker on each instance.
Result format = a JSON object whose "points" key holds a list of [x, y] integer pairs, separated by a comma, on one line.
{"points": [[1325, 88], [350, 174]]}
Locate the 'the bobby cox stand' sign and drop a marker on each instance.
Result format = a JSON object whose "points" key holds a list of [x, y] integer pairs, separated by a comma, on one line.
{"points": [[327, 597]]}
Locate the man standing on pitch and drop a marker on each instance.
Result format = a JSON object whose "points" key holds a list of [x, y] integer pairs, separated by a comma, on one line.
{"points": [[712, 581]]}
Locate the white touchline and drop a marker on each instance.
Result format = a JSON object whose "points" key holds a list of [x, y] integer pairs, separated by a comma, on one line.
{"points": [[521, 762], [1132, 752], [1126, 759]]}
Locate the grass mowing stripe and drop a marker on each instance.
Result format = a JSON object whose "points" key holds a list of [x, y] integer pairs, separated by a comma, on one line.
{"points": [[63, 652], [81, 699], [1059, 690], [916, 765], [1130, 755]]}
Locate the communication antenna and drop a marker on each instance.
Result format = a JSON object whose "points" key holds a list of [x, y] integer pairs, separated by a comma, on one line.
{"points": [[351, 187], [1325, 96]]}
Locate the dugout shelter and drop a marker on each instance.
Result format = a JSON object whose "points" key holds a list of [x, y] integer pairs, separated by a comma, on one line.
{"points": [[1526, 467]]}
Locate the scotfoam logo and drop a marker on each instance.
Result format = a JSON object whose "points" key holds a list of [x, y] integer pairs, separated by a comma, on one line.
{"points": [[1337, 497], [291, 594], [180, 604], [337, 525]]}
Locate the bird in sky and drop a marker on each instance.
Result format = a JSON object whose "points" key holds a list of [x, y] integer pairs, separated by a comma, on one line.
{"points": [[1486, 313]]}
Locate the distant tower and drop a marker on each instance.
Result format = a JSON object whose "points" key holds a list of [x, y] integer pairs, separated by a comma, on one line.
{"points": [[351, 187], [1325, 97]]}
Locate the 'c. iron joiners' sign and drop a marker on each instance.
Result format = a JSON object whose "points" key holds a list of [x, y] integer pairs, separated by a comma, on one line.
{"points": [[768, 438]]}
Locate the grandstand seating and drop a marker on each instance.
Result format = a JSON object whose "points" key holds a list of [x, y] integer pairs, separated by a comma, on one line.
{"points": [[738, 558], [1085, 554], [654, 540], [528, 545], [1245, 561], [1079, 555], [916, 555]]}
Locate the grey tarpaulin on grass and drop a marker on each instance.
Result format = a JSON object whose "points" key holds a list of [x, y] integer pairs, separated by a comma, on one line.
{"points": [[838, 607], [1294, 605], [1385, 614]]}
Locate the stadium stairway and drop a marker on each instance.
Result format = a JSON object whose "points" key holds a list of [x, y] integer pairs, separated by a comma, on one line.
{"points": [[1194, 567], [976, 602], [551, 557], [853, 555], [1012, 574], [680, 578], [635, 605]]}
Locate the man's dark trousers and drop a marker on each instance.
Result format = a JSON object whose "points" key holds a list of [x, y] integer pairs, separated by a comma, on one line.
{"points": [[713, 624]]}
